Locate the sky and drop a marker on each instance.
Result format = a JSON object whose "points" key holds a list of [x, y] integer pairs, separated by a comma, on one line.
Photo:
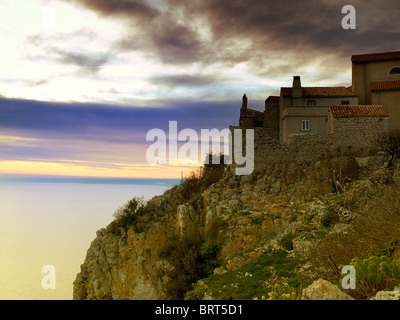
{"points": [[83, 81]]}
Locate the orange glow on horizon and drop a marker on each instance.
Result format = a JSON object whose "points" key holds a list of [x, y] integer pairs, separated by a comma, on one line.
{"points": [[72, 169]]}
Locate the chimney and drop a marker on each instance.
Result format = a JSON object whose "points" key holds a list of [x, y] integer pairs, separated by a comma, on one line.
{"points": [[244, 101], [297, 94]]}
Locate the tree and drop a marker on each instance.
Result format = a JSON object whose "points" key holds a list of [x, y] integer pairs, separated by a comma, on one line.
{"points": [[389, 143]]}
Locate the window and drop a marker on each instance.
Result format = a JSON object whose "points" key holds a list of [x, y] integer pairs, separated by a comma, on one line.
{"points": [[345, 103], [311, 102], [305, 125], [395, 70]]}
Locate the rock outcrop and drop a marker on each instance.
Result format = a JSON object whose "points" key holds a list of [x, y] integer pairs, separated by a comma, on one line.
{"points": [[123, 267], [324, 290], [387, 295], [285, 206]]}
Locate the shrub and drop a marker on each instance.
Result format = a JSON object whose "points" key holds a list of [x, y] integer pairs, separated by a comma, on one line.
{"points": [[329, 219], [287, 241], [208, 255], [198, 180], [390, 144], [196, 294], [252, 279], [374, 274], [193, 256], [182, 252], [127, 214], [279, 292]]}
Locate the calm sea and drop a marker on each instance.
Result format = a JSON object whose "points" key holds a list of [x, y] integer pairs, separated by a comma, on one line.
{"points": [[52, 221]]}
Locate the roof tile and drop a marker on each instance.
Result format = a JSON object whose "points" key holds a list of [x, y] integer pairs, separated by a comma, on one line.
{"points": [[385, 85], [321, 92], [376, 57], [273, 99], [355, 111]]}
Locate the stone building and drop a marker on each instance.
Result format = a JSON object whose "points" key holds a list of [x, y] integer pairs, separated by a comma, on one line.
{"points": [[305, 111], [376, 80], [250, 118], [357, 125]]}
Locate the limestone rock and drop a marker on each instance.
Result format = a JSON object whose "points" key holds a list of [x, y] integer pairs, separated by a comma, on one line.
{"points": [[387, 295], [324, 290], [118, 268]]}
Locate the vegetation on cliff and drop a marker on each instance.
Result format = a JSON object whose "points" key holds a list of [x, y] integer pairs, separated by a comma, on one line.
{"points": [[221, 236]]}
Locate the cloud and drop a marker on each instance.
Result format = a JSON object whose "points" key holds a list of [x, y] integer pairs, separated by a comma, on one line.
{"points": [[108, 123], [37, 83], [183, 80], [87, 60], [251, 31], [149, 49], [59, 137], [129, 8]]}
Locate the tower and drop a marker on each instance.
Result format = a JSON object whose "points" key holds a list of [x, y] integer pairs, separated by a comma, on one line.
{"points": [[244, 101]]}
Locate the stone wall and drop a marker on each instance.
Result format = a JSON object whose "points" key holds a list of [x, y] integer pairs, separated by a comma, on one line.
{"points": [[306, 148], [250, 118], [357, 131], [271, 121]]}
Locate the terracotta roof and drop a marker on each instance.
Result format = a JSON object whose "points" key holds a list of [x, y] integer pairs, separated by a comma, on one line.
{"points": [[376, 57], [321, 92], [273, 99], [385, 85], [355, 111]]}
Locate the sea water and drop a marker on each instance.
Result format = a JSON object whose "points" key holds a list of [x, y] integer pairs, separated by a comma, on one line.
{"points": [[52, 222]]}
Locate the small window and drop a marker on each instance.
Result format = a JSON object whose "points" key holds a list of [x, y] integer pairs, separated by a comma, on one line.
{"points": [[305, 125], [311, 102], [345, 103], [395, 70]]}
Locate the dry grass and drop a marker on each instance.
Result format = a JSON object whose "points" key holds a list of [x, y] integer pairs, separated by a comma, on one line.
{"points": [[375, 230]]}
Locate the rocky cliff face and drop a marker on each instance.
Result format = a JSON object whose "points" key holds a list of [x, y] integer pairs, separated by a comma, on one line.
{"points": [[283, 206], [123, 267]]}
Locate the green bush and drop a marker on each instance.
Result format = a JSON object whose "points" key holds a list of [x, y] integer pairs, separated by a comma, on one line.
{"points": [[196, 294], [374, 274], [127, 214], [250, 280], [208, 255], [182, 252], [281, 292], [193, 256]]}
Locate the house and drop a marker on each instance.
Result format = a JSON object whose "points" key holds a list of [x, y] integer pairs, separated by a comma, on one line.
{"points": [[305, 109], [357, 125], [376, 80]]}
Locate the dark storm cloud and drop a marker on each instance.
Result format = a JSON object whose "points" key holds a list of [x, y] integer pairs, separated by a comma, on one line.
{"points": [[131, 8], [287, 24], [309, 28]]}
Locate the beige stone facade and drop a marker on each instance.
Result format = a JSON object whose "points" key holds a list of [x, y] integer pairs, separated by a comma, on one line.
{"points": [[376, 80], [304, 111], [357, 125]]}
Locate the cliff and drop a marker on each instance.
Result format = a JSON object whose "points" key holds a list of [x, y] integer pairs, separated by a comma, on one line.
{"points": [[219, 235]]}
